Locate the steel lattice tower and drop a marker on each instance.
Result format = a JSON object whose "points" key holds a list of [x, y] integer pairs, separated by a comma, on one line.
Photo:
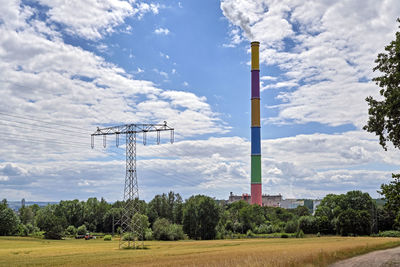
{"points": [[131, 188]]}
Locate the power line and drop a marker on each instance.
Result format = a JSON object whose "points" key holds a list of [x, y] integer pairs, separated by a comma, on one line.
{"points": [[47, 122], [40, 126]]}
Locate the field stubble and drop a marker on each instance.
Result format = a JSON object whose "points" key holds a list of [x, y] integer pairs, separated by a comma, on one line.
{"points": [[242, 252]]}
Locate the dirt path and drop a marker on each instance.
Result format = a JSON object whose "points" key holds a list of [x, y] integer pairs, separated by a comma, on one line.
{"points": [[388, 257]]}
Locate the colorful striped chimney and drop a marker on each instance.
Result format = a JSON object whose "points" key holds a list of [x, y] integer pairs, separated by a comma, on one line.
{"points": [[256, 189]]}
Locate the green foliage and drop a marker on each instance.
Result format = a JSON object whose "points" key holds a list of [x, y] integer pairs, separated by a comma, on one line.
{"points": [[300, 234], [324, 225], [291, 226], [22, 230], [200, 217], [352, 222], [384, 115], [107, 238], [81, 230], [308, 224], [284, 236], [250, 233], [164, 230], [301, 211], [148, 235], [129, 237], [140, 223], [47, 221], [8, 220], [332, 206], [71, 230], [391, 233], [169, 206], [26, 215], [391, 192]]}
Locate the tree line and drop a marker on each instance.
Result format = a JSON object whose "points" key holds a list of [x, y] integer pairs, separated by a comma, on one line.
{"points": [[168, 217]]}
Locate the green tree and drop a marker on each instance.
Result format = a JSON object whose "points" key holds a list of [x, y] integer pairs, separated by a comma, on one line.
{"points": [[53, 225], [71, 230], [140, 224], [200, 217], [8, 220], [81, 230], [391, 192], [308, 224], [164, 230], [26, 215], [384, 115]]}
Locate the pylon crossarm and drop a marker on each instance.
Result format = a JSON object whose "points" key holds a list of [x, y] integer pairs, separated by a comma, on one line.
{"points": [[132, 128]]}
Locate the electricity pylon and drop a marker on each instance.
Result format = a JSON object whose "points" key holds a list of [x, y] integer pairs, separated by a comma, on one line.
{"points": [[131, 189]]}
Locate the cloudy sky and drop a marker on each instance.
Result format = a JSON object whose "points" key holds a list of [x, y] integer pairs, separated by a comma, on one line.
{"points": [[67, 67]]}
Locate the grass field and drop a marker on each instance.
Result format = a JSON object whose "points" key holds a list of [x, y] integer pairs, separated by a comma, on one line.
{"points": [[318, 251]]}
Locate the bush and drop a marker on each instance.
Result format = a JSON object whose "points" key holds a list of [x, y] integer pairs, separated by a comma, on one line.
{"points": [[82, 230], [129, 237], [164, 230], [300, 234], [276, 228], [37, 234], [308, 224], [284, 236], [391, 233], [250, 233], [22, 230], [107, 238], [148, 234], [291, 227], [318, 234], [71, 231]]}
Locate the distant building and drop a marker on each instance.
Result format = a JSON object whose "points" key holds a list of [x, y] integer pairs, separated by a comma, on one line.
{"points": [[316, 204], [291, 203], [267, 200]]}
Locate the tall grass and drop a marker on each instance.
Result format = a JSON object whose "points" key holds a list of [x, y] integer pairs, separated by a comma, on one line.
{"points": [[239, 252]]}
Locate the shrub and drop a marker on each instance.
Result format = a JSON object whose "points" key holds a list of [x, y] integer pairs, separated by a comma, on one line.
{"points": [[308, 224], [148, 234], [128, 237], [291, 227], [276, 228], [164, 230], [107, 238], [37, 234], [391, 233], [22, 230], [82, 230], [250, 233], [284, 236], [71, 230], [318, 234], [300, 234]]}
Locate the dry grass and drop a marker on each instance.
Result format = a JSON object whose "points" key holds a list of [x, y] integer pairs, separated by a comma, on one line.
{"points": [[321, 251]]}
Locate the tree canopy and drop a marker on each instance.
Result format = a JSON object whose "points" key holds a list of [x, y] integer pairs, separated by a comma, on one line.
{"points": [[384, 115]]}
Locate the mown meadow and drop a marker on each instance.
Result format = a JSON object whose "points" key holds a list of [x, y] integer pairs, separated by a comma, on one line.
{"points": [[311, 251]]}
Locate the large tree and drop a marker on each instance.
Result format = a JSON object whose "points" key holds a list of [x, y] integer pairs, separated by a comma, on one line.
{"points": [[391, 192], [200, 217], [8, 220], [384, 114]]}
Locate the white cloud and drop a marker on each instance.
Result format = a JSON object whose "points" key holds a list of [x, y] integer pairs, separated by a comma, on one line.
{"points": [[89, 19], [161, 31], [59, 93], [323, 48]]}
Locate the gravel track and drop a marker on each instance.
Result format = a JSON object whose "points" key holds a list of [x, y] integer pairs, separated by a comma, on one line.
{"points": [[387, 257]]}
